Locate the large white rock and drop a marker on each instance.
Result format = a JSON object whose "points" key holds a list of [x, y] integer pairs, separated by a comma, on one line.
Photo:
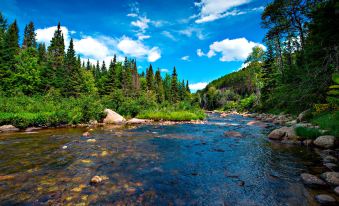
{"points": [[112, 117], [326, 141], [8, 128]]}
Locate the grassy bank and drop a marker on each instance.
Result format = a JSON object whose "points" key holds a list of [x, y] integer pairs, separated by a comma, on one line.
{"points": [[24, 111]]}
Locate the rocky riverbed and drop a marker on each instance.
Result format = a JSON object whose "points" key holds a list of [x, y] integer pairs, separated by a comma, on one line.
{"points": [[226, 160]]}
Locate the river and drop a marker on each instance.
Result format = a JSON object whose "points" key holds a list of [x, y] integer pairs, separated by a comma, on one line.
{"points": [[184, 164]]}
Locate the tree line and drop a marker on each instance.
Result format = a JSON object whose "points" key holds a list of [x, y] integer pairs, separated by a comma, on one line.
{"points": [[297, 68], [32, 69]]}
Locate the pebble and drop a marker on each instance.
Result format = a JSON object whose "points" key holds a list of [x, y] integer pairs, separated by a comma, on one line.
{"points": [[91, 140], [64, 147], [86, 134], [96, 180]]}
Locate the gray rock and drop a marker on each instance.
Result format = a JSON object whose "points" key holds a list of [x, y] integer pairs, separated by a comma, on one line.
{"points": [[112, 117], [312, 180], [326, 141], [331, 178], [308, 142], [330, 159], [303, 115], [331, 166], [324, 199], [138, 121], [8, 128], [278, 134], [336, 190]]}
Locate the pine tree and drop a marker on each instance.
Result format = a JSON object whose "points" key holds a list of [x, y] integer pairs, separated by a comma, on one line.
{"points": [[159, 87], [150, 78], [96, 72], [174, 86], [187, 87], [29, 36], [88, 65], [135, 77], [103, 68], [72, 86], [3, 68], [10, 50], [42, 54], [54, 73]]}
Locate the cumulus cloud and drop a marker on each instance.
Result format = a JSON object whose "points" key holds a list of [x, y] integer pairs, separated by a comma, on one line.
{"points": [[136, 48], [211, 10], [103, 48], [231, 49], [45, 35], [185, 58], [91, 48], [197, 86]]}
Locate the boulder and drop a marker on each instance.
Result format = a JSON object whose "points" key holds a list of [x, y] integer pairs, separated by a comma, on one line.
{"points": [[137, 121], [304, 115], [8, 128], [326, 141], [286, 133], [331, 178], [278, 134], [112, 117], [312, 180], [324, 199]]}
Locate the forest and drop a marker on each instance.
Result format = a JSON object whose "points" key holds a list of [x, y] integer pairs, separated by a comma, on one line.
{"points": [[297, 71], [52, 86]]}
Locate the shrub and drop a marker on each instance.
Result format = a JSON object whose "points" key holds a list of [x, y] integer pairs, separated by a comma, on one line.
{"points": [[308, 133]]}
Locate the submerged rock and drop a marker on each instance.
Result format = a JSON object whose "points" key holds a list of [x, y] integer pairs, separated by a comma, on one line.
{"points": [[326, 141], [112, 117], [312, 180], [96, 180], [8, 128], [324, 199], [331, 178], [86, 134], [233, 134], [91, 140], [138, 121]]}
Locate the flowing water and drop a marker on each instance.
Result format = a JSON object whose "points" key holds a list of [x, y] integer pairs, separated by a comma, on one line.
{"points": [[183, 164]]}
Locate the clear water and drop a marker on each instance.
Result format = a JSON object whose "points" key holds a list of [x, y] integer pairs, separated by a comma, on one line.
{"points": [[154, 165]]}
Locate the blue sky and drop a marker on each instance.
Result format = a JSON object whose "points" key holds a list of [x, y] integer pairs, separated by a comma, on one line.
{"points": [[204, 39]]}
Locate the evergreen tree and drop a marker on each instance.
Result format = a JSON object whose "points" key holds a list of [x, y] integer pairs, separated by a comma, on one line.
{"points": [[72, 85], [29, 36], [54, 72], [187, 87], [150, 78], [88, 65], [10, 50], [159, 87], [174, 86], [3, 68], [42, 54]]}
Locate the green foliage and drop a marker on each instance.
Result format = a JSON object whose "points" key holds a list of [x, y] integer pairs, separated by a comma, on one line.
{"points": [[328, 121], [308, 133]]}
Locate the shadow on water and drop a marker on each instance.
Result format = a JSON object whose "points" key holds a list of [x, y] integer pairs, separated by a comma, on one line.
{"points": [[154, 165]]}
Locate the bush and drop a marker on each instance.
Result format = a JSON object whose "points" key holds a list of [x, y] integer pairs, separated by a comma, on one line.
{"points": [[308, 133], [328, 121]]}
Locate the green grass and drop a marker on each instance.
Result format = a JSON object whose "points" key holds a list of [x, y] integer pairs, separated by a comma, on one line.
{"points": [[328, 121], [26, 111], [172, 115], [308, 133]]}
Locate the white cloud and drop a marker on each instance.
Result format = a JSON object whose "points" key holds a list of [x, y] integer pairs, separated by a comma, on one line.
{"points": [[197, 86], [231, 49], [164, 70], [132, 15], [136, 48], [191, 30], [185, 58], [142, 37], [211, 10], [200, 53], [168, 35], [91, 48], [141, 23], [45, 35]]}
